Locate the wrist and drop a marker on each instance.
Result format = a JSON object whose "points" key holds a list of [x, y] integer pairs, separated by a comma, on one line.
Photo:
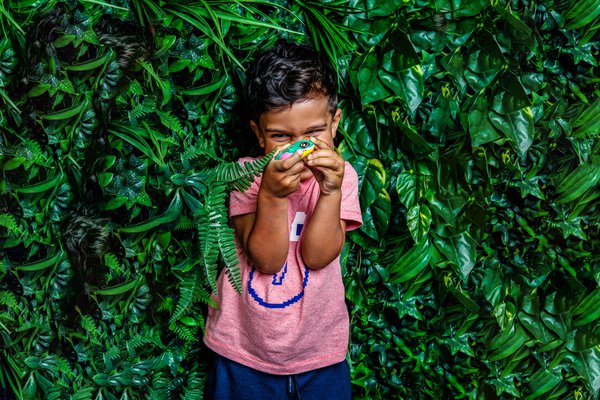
{"points": [[337, 192], [271, 199]]}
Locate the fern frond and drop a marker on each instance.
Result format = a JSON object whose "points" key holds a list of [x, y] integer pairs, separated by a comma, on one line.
{"points": [[171, 122], [200, 319], [32, 151], [240, 176], [90, 326], [193, 153], [9, 222], [62, 365], [201, 294], [226, 239], [209, 250], [184, 224], [142, 109], [187, 289], [84, 393], [160, 387], [112, 262], [224, 234], [9, 299], [141, 340], [187, 334], [110, 356], [195, 386]]}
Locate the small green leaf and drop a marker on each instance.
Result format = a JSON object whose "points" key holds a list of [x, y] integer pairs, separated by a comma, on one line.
{"points": [[120, 288], [115, 202], [42, 186], [170, 215], [93, 63], [67, 112], [41, 264], [39, 89]]}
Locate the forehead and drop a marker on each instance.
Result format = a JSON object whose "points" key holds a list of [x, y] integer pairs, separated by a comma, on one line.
{"points": [[300, 115]]}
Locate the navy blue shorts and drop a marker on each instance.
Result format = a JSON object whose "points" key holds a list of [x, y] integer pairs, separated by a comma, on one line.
{"points": [[229, 380]]}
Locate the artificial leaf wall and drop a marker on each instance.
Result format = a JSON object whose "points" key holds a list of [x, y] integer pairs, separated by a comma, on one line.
{"points": [[473, 126]]}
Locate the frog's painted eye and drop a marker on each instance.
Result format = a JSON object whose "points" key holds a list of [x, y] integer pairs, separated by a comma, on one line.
{"points": [[304, 144]]}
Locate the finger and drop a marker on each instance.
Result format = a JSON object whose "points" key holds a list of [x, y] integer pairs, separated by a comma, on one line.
{"points": [[286, 160], [291, 161], [328, 153], [319, 143], [337, 162], [326, 163], [288, 166]]}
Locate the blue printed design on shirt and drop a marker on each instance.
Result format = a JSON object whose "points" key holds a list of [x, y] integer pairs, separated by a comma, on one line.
{"points": [[281, 277], [282, 304], [278, 278]]}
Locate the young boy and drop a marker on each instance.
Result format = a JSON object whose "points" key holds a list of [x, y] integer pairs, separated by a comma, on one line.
{"points": [[286, 336]]}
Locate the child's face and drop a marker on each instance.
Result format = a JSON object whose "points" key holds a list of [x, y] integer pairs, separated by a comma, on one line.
{"points": [[301, 121], [310, 118]]}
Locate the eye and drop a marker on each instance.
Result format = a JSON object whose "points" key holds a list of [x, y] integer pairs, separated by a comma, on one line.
{"points": [[315, 132]]}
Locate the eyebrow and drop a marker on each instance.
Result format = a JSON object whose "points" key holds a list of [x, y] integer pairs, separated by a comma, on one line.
{"points": [[316, 127], [310, 128]]}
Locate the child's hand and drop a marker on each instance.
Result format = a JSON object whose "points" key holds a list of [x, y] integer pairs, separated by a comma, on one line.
{"points": [[282, 177], [327, 166]]}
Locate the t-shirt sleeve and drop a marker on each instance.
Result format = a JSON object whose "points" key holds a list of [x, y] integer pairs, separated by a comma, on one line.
{"points": [[244, 202], [350, 207]]}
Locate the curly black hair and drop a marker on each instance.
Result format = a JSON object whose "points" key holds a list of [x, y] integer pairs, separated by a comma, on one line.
{"points": [[286, 74]]}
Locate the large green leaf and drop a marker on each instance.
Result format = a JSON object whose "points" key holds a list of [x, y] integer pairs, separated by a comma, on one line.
{"points": [[373, 183], [481, 128], [418, 220], [406, 84], [517, 126], [582, 13], [411, 263], [406, 186], [578, 181], [459, 249], [484, 61], [402, 54], [369, 83], [460, 8], [476, 276]]}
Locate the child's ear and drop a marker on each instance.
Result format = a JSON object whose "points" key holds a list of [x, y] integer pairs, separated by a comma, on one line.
{"points": [[258, 133], [335, 122]]}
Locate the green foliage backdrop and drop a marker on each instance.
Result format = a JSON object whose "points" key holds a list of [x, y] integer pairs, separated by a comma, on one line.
{"points": [[474, 126]]}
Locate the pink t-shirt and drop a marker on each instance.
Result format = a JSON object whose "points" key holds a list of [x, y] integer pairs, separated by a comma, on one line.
{"points": [[296, 320]]}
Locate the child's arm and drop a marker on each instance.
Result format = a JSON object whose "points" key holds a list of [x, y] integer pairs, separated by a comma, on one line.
{"points": [[264, 235], [325, 232]]}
